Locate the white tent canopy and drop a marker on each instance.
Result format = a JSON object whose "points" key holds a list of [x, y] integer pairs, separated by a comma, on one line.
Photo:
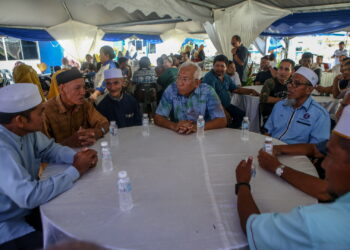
{"points": [[77, 24]]}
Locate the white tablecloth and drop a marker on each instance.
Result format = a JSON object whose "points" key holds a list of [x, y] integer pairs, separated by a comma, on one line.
{"points": [[250, 104], [183, 190]]}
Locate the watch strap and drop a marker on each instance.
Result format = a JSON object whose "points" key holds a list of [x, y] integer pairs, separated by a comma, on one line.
{"points": [[241, 184]]}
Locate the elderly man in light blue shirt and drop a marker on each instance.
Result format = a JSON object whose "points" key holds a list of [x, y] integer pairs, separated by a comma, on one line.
{"points": [[186, 99], [299, 119], [320, 226], [22, 149]]}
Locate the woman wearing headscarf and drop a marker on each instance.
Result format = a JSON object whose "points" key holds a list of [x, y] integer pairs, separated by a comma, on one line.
{"points": [[26, 74]]}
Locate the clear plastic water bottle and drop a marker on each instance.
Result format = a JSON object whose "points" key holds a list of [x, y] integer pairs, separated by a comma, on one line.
{"points": [[245, 129], [200, 126], [268, 145], [145, 125], [113, 128], [124, 190], [107, 163], [113, 131]]}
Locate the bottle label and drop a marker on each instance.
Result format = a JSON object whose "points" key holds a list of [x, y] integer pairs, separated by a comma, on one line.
{"points": [[268, 148], [145, 122], [245, 125], [200, 124], [113, 130], [125, 187]]}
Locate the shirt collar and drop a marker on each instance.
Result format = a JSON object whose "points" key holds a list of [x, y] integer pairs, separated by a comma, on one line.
{"points": [[217, 77], [116, 98], [61, 108], [305, 105], [108, 62], [15, 137]]}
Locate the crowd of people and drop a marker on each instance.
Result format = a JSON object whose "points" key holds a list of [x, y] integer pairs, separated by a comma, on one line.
{"points": [[38, 128]]}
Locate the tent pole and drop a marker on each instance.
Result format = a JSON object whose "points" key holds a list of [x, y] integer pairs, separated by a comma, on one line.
{"points": [[286, 40]]}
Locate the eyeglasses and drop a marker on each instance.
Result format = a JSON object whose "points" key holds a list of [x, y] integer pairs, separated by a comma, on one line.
{"points": [[296, 84], [184, 79]]}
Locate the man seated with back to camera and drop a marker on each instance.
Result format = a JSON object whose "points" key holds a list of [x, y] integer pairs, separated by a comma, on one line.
{"points": [[69, 118], [318, 226], [299, 119], [182, 102], [117, 105]]}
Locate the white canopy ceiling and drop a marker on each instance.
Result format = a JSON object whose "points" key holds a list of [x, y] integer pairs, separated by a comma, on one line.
{"points": [[61, 18]]}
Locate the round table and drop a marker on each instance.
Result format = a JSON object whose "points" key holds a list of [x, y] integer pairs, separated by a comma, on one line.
{"points": [[250, 104], [183, 191]]}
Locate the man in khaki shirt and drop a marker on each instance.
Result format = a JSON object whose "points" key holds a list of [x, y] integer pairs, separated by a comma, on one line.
{"points": [[69, 118]]}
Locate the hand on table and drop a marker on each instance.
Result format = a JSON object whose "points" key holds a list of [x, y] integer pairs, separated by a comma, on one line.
{"points": [[244, 170], [85, 159], [268, 162], [185, 127], [83, 137], [254, 93]]}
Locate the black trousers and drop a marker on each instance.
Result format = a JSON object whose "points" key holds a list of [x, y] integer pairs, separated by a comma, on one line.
{"points": [[29, 241], [237, 116]]}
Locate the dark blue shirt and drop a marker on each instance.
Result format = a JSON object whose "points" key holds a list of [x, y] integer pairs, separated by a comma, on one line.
{"points": [[242, 53], [222, 88], [125, 111]]}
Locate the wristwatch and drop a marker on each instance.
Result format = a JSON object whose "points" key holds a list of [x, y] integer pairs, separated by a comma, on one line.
{"points": [[279, 170], [241, 184]]}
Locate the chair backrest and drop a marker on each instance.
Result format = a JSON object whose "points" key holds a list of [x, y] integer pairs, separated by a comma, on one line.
{"points": [[146, 92]]}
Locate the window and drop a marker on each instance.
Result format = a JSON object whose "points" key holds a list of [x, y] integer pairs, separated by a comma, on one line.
{"points": [[30, 51], [16, 49], [13, 48], [2, 51]]}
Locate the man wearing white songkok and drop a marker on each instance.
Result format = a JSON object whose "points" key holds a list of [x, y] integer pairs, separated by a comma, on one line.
{"points": [[118, 106], [299, 119], [22, 149], [320, 226]]}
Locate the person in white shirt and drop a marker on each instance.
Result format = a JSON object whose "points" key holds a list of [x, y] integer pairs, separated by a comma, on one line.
{"points": [[340, 52], [231, 71]]}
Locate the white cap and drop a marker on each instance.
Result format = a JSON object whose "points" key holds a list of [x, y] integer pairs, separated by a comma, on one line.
{"points": [[343, 126], [308, 74], [122, 174], [268, 138], [104, 143], [113, 73], [19, 97]]}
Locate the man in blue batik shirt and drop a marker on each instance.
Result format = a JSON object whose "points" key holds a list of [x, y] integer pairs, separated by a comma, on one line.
{"points": [[299, 119], [320, 226], [22, 149], [186, 99]]}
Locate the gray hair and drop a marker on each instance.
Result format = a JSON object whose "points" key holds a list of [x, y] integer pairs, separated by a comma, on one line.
{"points": [[197, 74]]}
